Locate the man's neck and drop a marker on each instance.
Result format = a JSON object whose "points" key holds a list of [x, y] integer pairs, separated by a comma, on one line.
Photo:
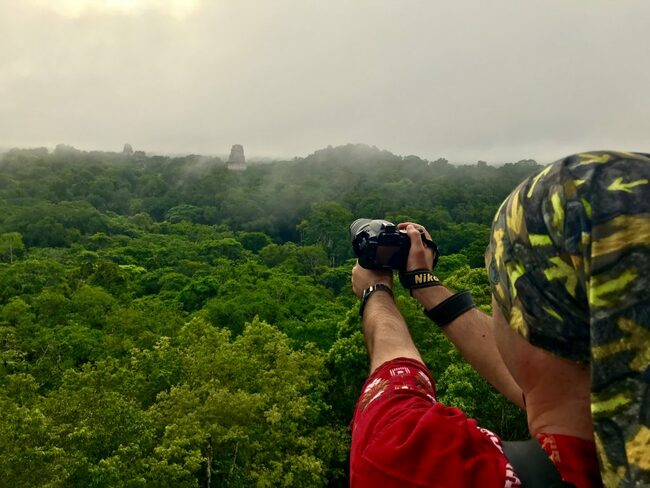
{"points": [[559, 401], [568, 418]]}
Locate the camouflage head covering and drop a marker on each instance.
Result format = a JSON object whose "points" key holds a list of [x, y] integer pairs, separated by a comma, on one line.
{"points": [[569, 266]]}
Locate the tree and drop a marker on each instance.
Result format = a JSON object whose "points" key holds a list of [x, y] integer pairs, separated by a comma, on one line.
{"points": [[184, 212], [17, 312], [227, 247], [328, 224], [11, 246], [91, 305], [197, 292], [461, 386], [449, 263], [254, 241], [476, 281]]}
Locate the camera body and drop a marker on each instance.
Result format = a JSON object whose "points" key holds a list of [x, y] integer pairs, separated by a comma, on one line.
{"points": [[378, 244]]}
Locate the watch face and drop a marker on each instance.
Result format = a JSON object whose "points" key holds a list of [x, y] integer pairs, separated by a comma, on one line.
{"points": [[368, 291]]}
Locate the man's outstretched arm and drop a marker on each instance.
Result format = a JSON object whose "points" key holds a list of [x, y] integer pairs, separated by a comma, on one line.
{"points": [[472, 332], [384, 329]]}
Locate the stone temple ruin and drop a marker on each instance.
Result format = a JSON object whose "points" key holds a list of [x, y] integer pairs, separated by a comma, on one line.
{"points": [[237, 161]]}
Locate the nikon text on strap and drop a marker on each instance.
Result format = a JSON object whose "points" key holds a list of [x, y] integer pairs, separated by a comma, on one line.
{"points": [[419, 278]]}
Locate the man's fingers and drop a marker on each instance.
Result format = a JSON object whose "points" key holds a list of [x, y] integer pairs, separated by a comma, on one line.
{"points": [[415, 236], [419, 228], [420, 256]]}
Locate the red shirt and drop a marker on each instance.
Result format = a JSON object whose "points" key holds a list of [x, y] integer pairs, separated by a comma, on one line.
{"points": [[574, 458], [402, 437]]}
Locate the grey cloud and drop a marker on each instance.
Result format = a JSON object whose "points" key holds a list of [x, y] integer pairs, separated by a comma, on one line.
{"points": [[467, 80]]}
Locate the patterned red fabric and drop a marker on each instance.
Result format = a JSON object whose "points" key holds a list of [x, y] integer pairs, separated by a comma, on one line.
{"points": [[575, 459], [402, 437]]}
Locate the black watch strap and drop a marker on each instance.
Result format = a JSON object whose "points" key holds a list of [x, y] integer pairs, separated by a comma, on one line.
{"points": [[369, 291], [451, 308], [419, 278]]}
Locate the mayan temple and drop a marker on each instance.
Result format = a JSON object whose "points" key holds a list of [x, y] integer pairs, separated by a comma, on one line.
{"points": [[237, 161]]}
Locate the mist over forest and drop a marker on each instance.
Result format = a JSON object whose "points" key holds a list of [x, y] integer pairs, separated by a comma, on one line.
{"points": [[168, 321]]}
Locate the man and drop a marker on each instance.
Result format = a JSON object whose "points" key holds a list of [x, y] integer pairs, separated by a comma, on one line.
{"points": [[569, 339]]}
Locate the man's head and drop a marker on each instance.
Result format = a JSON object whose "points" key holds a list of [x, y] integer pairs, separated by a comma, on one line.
{"points": [[569, 266]]}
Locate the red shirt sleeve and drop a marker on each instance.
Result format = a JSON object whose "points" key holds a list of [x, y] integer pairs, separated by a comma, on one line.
{"points": [[402, 437]]}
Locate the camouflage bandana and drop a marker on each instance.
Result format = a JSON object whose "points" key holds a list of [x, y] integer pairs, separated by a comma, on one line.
{"points": [[569, 266]]}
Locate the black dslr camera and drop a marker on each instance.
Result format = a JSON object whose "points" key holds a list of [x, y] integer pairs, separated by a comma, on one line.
{"points": [[379, 245]]}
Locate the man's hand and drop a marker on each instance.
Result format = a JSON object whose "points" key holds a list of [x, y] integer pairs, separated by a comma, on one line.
{"points": [[420, 256], [362, 278]]}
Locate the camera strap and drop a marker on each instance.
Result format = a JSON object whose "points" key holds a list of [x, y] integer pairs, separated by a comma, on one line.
{"points": [[420, 278], [451, 308]]}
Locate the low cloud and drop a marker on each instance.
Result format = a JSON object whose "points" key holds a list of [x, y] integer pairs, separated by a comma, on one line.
{"points": [[80, 8]]}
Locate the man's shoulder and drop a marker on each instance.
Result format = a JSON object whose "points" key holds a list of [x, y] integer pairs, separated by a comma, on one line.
{"points": [[403, 437]]}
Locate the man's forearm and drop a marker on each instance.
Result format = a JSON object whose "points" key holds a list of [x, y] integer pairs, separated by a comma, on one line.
{"points": [[473, 335], [386, 334]]}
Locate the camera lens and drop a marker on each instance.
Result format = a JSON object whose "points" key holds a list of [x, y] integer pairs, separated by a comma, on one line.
{"points": [[358, 226]]}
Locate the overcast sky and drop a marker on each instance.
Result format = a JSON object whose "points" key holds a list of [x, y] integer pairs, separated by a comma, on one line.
{"points": [[497, 80]]}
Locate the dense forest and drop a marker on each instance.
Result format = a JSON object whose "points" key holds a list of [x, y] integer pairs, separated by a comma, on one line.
{"points": [[168, 322]]}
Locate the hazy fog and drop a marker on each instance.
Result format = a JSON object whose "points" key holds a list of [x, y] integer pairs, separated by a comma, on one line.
{"points": [[466, 80]]}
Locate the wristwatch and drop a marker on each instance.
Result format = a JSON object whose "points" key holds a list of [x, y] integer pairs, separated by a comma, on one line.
{"points": [[369, 291]]}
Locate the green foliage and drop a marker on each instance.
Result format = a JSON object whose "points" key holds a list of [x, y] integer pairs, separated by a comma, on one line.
{"points": [[327, 225], [17, 312], [254, 241], [11, 246], [166, 322], [194, 295], [184, 212], [91, 305], [476, 281], [228, 248], [459, 385], [449, 263], [245, 412]]}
